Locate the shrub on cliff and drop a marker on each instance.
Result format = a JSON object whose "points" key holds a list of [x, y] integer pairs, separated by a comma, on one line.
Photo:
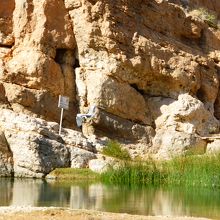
{"points": [[113, 149], [207, 16]]}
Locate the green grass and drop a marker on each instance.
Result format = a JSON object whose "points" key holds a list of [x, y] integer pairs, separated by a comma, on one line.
{"points": [[189, 170], [113, 149], [185, 171], [74, 174]]}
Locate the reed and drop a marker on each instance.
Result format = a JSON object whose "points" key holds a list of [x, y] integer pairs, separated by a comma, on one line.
{"points": [[186, 170]]}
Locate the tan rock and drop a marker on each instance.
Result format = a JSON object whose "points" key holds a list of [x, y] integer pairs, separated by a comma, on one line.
{"points": [[80, 158], [120, 56], [36, 150], [170, 143], [34, 26], [6, 26], [32, 74], [178, 123], [213, 147], [40, 65], [116, 98], [186, 114]]}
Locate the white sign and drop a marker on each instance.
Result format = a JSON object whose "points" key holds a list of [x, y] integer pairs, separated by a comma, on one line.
{"points": [[63, 102]]}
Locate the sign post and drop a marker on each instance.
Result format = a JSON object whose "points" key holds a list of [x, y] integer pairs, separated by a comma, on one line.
{"points": [[63, 104]]}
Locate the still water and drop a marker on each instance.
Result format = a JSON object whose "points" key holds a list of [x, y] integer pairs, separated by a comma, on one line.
{"points": [[97, 196]]}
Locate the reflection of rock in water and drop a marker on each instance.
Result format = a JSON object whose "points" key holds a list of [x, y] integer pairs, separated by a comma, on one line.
{"points": [[166, 202], [144, 201], [26, 192], [55, 194], [6, 186], [78, 196], [88, 196]]}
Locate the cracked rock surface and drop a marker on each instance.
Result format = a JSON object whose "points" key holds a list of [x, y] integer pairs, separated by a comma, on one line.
{"points": [[151, 68]]}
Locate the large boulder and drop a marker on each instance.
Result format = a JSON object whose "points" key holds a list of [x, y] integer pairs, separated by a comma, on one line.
{"points": [[36, 150], [170, 143], [180, 125], [35, 156], [186, 114], [213, 147], [80, 158], [102, 164]]}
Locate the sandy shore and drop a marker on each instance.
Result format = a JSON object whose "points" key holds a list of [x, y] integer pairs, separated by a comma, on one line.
{"points": [[23, 213]]}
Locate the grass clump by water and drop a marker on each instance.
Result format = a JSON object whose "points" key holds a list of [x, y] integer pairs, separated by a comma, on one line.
{"points": [[136, 173], [187, 171], [113, 149], [73, 174]]}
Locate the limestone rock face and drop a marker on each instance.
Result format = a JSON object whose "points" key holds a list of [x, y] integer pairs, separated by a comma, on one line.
{"points": [[35, 149], [31, 147], [6, 25], [151, 68], [102, 164], [130, 54], [213, 147], [180, 125], [39, 155], [80, 158], [39, 66]]}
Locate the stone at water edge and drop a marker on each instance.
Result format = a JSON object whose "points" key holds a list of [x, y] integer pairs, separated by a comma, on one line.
{"points": [[80, 158], [102, 163], [35, 155], [213, 147], [170, 143], [35, 148]]}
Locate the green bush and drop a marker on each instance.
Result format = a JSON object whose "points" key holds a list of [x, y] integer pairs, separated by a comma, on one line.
{"points": [[207, 16], [113, 149]]}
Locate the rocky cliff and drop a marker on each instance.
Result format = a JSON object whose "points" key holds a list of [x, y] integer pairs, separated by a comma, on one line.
{"points": [[150, 66]]}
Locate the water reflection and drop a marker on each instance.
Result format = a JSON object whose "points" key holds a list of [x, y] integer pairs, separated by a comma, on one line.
{"points": [[146, 201], [25, 192], [6, 191]]}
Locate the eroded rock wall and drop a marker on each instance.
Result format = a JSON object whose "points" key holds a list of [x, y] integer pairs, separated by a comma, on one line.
{"points": [[150, 66], [133, 53], [39, 65]]}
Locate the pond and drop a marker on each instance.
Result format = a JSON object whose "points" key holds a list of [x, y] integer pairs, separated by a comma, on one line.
{"points": [[199, 202]]}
